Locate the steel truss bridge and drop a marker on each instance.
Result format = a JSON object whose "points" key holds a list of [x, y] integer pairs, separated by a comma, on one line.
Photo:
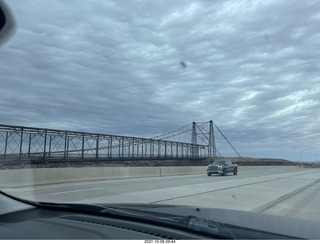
{"points": [[48, 145]]}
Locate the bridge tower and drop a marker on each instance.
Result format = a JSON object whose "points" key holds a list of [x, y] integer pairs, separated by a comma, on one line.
{"points": [[195, 150], [212, 151]]}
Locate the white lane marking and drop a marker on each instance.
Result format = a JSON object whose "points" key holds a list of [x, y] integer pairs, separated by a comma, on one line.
{"points": [[65, 192]]}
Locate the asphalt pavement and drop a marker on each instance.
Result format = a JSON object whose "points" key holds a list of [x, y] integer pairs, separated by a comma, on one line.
{"points": [[294, 193]]}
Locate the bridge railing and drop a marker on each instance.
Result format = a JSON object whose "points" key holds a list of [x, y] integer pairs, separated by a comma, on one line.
{"points": [[27, 143]]}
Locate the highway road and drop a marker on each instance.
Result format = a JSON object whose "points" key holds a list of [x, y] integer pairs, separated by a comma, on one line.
{"points": [[294, 193]]}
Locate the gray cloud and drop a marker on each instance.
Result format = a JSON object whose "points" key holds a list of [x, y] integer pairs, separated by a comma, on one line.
{"points": [[114, 67]]}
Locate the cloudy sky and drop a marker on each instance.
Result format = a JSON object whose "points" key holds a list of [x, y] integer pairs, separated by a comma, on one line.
{"points": [[143, 68]]}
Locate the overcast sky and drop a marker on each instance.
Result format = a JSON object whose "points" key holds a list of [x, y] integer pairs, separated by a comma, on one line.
{"points": [[142, 68]]}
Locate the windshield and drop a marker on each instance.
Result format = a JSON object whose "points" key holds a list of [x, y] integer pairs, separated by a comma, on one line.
{"points": [[219, 163], [128, 102]]}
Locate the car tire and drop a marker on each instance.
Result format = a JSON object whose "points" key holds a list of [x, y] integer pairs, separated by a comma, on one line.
{"points": [[235, 171], [209, 174], [224, 172]]}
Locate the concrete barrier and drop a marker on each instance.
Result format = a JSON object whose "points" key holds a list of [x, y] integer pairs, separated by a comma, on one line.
{"points": [[27, 177], [182, 170], [265, 168]]}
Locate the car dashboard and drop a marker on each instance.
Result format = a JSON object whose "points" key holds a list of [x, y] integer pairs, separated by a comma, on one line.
{"points": [[22, 220]]}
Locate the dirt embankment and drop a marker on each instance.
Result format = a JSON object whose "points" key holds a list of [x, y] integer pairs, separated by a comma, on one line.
{"points": [[246, 161]]}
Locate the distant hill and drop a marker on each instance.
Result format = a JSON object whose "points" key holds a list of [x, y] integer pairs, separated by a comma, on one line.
{"points": [[246, 161], [262, 161]]}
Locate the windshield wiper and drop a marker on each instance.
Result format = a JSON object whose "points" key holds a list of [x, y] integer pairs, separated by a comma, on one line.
{"points": [[107, 210], [190, 223]]}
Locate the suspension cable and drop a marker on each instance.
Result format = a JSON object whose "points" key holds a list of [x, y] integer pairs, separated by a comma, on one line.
{"points": [[227, 140], [159, 136]]}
